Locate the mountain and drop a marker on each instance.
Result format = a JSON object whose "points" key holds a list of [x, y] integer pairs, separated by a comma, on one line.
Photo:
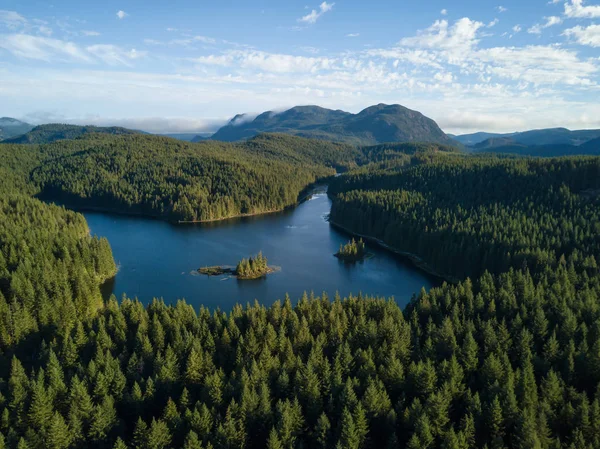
{"points": [[475, 138], [11, 127], [538, 137], [52, 132], [590, 148], [299, 118], [376, 124]]}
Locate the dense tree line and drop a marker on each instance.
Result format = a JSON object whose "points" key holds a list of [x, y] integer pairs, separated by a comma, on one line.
{"points": [[464, 215], [508, 362], [50, 269], [184, 181], [57, 131]]}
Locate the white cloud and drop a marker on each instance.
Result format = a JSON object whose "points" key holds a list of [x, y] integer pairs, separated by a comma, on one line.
{"points": [[501, 9], [121, 14], [493, 23], [55, 50], [90, 33], [517, 28], [536, 64], [446, 77], [190, 40], [417, 57], [113, 55], [42, 48], [11, 19], [352, 34], [535, 29], [550, 21], [444, 12], [46, 31], [585, 35], [576, 9], [459, 37], [314, 15], [268, 62]]}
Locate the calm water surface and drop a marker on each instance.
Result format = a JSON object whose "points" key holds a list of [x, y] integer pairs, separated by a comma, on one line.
{"points": [[157, 259]]}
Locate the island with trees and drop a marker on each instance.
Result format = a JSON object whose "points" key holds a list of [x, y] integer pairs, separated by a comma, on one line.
{"points": [[352, 251], [251, 268]]}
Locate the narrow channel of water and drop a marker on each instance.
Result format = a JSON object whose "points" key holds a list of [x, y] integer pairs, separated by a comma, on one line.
{"points": [[158, 259]]}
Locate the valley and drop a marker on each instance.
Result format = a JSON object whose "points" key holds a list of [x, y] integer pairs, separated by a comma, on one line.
{"points": [[128, 345]]}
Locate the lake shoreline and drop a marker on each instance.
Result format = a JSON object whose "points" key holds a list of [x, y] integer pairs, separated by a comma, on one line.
{"points": [[414, 258], [305, 194]]}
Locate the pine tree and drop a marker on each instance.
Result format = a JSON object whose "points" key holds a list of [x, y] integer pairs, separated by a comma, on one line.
{"points": [[348, 436], [273, 442], [58, 435], [140, 434], [192, 441], [41, 409], [159, 436], [322, 431], [120, 444]]}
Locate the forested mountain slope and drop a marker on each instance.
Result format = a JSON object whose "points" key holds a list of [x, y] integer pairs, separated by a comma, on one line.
{"points": [[181, 181], [53, 132]]}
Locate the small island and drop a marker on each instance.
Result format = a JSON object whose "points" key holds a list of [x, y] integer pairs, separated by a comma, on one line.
{"points": [[352, 251], [252, 268]]}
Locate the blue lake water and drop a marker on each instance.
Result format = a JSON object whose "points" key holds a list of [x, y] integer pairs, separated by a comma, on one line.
{"points": [[158, 259]]}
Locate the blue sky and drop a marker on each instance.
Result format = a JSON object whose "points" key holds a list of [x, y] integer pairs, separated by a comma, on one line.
{"points": [[190, 65]]}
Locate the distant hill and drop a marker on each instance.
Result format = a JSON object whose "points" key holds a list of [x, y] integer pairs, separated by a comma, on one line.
{"points": [[11, 127], [376, 124], [538, 137], [186, 137], [53, 132], [590, 148], [475, 138]]}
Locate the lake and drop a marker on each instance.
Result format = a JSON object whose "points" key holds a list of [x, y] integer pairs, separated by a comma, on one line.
{"points": [[159, 259]]}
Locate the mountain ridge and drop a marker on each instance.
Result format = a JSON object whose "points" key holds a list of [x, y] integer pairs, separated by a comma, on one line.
{"points": [[381, 123], [57, 131], [537, 137]]}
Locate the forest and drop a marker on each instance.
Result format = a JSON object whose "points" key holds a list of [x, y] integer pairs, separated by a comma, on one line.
{"points": [[493, 213], [183, 181], [506, 357]]}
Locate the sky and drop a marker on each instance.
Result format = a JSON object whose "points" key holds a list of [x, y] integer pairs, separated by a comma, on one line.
{"points": [[190, 65]]}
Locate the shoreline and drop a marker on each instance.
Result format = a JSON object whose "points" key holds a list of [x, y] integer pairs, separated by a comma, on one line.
{"points": [[415, 259], [305, 194]]}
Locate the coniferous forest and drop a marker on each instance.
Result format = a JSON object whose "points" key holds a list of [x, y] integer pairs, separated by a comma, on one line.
{"points": [[507, 357]]}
